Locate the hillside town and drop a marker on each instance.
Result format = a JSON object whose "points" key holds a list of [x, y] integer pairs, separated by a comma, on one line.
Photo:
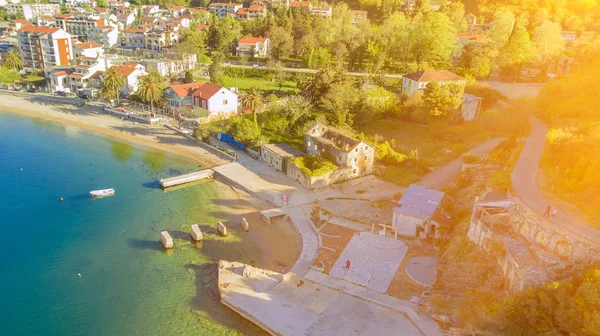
{"points": [[402, 141]]}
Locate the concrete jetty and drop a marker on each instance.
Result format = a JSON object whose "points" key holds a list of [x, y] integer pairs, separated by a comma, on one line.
{"points": [[196, 233], [186, 178], [166, 240], [317, 304], [245, 225], [222, 229]]}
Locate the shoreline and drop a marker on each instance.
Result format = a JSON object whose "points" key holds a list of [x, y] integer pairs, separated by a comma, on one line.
{"points": [[152, 136]]}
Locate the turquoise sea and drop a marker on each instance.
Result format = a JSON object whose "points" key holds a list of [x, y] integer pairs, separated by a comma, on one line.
{"points": [[128, 284]]}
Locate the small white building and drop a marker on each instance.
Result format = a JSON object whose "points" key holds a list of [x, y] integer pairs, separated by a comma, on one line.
{"points": [[88, 49], [132, 72], [413, 215], [250, 46], [470, 107], [208, 99], [416, 81]]}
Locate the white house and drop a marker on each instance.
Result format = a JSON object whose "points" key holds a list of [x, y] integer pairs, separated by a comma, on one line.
{"points": [[208, 99], [88, 49], [132, 72], [413, 215], [126, 19], [416, 81], [86, 77], [253, 46], [57, 80]]}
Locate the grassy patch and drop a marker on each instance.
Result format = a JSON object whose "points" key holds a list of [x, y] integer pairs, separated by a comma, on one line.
{"points": [[433, 140], [244, 83], [360, 192], [402, 176], [314, 165]]}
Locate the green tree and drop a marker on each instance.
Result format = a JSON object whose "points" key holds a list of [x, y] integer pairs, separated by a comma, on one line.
{"points": [[222, 34], [282, 42], [64, 9], [252, 101], [517, 52], [548, 44], [340, 101], [192, 42], [455, 11], [150, 89], [433, 40], [504, 23], [112, 81], [215, 67], [189, 77], [477, 59], [101, 3], [13, 60], [440, 99]]}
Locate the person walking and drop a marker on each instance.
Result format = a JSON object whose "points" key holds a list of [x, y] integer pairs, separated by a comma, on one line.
{"points": [[347, 264], [554, 212], [548, 209]]}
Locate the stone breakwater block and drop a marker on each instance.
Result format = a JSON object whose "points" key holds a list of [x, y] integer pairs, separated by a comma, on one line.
{"points": [[245, 225], [166, 240], [196, 233], [222, 229]]}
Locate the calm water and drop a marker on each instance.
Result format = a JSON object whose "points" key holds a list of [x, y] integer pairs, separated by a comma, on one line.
{"points": [[129, 285]]}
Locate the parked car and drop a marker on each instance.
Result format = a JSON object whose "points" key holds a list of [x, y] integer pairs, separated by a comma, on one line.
{"points": [[17, 88], [61, 93], [33, 90], [84, 96]]}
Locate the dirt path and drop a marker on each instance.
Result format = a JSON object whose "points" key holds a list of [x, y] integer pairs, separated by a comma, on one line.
{"points": [[443, 175], [524, 182]]}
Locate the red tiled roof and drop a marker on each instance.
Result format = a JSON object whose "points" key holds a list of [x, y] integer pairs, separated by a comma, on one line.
{"points": [[251, 40], [21, 21], [203, 27], [134, 30], [256, 8], [242, 11], [88, 45], [185, 90], [47, 18], [100, 10], [74, 75], [38, 29], [148, 19], [477, 38], [177, 7], [126, 69], [433, 75], [207, 90], [62, 16], [61, 73], [123, 8], [123, 16]]}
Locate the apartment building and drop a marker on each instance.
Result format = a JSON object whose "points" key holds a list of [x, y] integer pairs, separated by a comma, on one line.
{"points": [[221, 10], [251, 13], [157, 39], [134, 38], [251, 46], [86, 77], [33, 10], [43, 47]]}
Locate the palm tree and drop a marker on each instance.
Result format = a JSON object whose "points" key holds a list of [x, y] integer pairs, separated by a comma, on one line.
{"points": [[112, 81], [151, 88], [253, 101], [13, 60]]}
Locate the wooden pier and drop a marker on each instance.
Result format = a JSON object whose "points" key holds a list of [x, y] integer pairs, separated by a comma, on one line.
{"points": [[186, 178]]}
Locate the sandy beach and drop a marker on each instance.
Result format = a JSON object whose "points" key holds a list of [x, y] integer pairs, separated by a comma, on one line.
{"points": [[280, 244], [155, 136]]}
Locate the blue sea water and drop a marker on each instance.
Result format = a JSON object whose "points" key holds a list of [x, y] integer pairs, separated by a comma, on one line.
{"points": [[128, 284]]}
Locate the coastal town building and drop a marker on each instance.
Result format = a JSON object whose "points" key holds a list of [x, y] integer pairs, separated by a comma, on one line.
{"points": [[250, 46], [322, 11], [414, 214], [277, 155], [133, 38], [358, 16], [171, 64], [207, 99], [353, 158], [133, 72], [222, 10], [33, 10], [251, 13], [85, 79], [88, 49], [42, 47], [416, 81]]}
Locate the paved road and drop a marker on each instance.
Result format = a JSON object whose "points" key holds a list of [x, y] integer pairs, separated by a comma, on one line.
{"points": [[524, 182], [443, 175], [302, 70]]}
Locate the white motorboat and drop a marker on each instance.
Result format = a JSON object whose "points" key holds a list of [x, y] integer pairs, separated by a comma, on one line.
{"points": [[102, 193]]}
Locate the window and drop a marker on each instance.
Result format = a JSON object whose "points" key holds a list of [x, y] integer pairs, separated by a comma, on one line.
{"points": [[354, 171], [225, 102], [356, 150], [204, 104], [355, 159], [366, 158]]}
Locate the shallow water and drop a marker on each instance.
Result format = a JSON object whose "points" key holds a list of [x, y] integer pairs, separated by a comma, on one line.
{"points": [[128, 284]]}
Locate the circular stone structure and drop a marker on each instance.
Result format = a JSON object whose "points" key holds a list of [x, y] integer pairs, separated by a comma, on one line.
{"points": [[422, 270]]}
